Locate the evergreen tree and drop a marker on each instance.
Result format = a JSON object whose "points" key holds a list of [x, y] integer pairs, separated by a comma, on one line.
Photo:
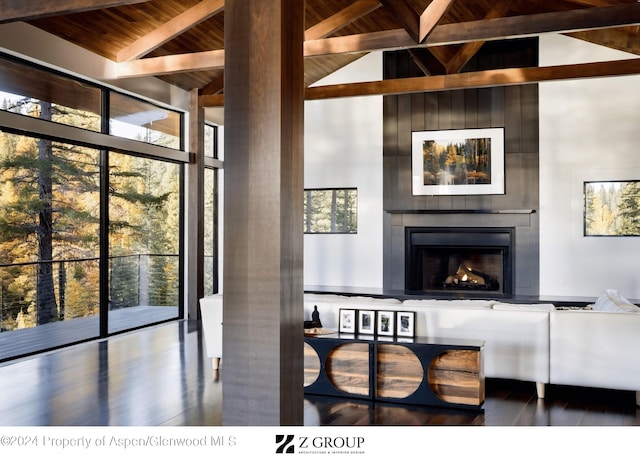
{"points": [[50, 203], [629, 209], [144, 220]]}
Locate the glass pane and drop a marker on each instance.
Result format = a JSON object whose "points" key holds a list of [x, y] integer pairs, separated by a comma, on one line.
{"points": [[134, 119], [331, 211], [144, 231], [210, 233], [49, 244], [62, 100], [210, 141]]}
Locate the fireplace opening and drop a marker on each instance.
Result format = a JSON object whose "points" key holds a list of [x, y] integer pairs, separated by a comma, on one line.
{"points": [[471, 261]]}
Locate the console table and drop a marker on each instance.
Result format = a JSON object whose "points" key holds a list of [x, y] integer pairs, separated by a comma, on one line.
{"points": [[421, 370]]}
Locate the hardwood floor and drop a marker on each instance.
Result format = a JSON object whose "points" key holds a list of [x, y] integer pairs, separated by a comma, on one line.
{"points": [[160, 376]]}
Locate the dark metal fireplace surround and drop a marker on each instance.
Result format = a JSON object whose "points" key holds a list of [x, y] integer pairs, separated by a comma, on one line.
{"points": [[461, 262]]}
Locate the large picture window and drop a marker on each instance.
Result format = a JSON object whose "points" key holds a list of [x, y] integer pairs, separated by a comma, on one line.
{"points": [[144, 236], [90, 225], [612, 208]]}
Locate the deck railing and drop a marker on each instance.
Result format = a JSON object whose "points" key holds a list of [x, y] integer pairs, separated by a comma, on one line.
{"points": [[69, 288]]}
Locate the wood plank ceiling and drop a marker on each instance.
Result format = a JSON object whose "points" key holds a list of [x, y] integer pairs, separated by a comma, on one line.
{"points": [[182, 41]]}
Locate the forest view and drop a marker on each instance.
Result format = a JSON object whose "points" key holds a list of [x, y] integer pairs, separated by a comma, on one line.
{"points": [[449, 162], [612, 208], [331, 211], [50, 220]]}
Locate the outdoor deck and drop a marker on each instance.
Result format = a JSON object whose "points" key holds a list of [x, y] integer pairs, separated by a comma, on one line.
{"points": [[22, 342]]}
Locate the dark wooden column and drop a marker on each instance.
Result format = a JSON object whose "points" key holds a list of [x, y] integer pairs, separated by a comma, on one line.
{"points": [[262, 363], [195, 208]]}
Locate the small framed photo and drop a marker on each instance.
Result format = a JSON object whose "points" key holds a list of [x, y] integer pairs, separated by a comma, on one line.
{"points": [[405, 324], [347, 321], [366, 322], [386, 323]]}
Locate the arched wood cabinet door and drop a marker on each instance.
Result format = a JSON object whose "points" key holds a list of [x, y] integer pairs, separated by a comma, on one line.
{"points": [[400, 371], [311, 365]]}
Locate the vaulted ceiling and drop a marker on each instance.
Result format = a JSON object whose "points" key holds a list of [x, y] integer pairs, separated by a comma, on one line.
{"points": [[182, 41]]}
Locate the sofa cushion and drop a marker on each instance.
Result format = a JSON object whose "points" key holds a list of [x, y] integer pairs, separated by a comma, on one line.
{"points": [[526, 306], [612, 301], [474, 304]]}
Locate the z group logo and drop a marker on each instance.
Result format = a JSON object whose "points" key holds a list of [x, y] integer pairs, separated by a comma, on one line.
{"points": [[320, 444], [285, 444]]}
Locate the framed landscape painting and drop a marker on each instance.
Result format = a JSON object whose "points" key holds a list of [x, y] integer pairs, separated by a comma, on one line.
{"points": [[458, 162]]}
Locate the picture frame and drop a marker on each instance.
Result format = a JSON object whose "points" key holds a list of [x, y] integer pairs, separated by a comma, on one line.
{"points": [[610, 208], [458, 162], [347, 321], [367, 322], [385, 323], [405, 324]]}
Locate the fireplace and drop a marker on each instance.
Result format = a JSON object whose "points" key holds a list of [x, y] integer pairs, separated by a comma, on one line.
{"points": [[472, 262]]}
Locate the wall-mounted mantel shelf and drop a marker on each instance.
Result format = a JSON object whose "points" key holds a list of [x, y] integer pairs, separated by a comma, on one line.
{"points": [[458, 211]]}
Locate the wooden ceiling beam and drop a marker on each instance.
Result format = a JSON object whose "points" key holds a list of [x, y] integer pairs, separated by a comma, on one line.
{"points": [[211, 100], [20, 10], [535, 24], [171, 29], [479, 79], [473, 31], [341, 19], [468, 50], [426, 61], [430, 18], [394, 39], [215, 87], [483, 30], [407, 17], [163, 65]]}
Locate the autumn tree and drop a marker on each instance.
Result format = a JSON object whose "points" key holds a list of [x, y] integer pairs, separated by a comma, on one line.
{"points": [[143, 215], [50, 201], [50, 192]]}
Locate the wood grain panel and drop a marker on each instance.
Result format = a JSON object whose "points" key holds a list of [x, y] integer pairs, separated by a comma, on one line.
{"points": [[456, 376], [348, 368], [263, 190], [400, 372], [311, 365]]}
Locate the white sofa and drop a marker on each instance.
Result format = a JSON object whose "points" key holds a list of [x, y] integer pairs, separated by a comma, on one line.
{"points": [[598, 347], [516, 336], [541, 343]]}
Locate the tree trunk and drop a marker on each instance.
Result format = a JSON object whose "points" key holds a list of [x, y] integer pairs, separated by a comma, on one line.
{"points": [[46, 302], [334, 200]]}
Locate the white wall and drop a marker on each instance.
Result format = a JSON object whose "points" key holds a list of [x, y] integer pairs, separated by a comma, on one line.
{"points": [[343, 148], [589, 130]]}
